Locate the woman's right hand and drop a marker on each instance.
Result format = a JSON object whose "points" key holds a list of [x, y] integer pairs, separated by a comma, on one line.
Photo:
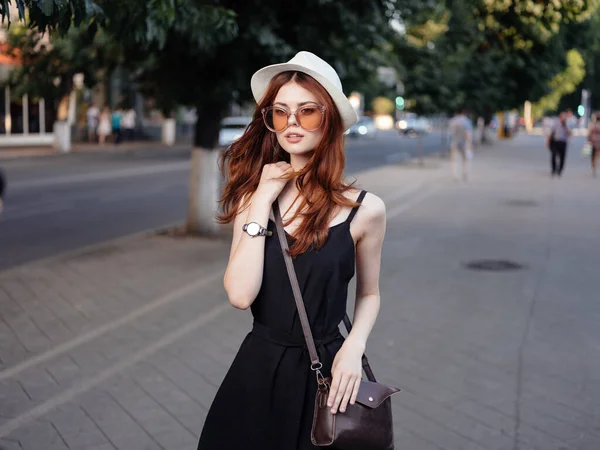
{"points": [[271, 182]]}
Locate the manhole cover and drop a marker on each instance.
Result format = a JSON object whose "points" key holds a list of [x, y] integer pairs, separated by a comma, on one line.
{"points": [[521, 202], [493, 265]]}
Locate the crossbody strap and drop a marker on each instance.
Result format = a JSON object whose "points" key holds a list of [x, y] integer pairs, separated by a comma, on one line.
{"points": [[289, 264], [315, 363]]}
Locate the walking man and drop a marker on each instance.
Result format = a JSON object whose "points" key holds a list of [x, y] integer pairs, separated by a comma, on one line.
{"points": [[557, 143], [461, 144]]}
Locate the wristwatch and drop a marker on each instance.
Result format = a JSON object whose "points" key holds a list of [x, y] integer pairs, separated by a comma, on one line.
{"points": [[253, 229]]}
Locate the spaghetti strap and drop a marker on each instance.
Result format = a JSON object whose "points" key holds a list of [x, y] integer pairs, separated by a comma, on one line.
{"points": [[360, 198]]}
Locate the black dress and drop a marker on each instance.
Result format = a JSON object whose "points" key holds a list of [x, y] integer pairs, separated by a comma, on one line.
{"points": [[266, 399]]}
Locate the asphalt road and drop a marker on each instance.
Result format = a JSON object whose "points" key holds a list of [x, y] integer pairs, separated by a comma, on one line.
{"points": [[60, 203]]}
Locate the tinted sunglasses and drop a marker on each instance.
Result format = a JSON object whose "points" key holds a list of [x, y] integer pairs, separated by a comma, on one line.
{"points": [[309, 117]]}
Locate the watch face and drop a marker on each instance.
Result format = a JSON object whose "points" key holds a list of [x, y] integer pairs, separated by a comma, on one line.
{"points": [[253, 229]]}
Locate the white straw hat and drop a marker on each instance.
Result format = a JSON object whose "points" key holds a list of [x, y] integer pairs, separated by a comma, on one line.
{"points": [[314, 66]]}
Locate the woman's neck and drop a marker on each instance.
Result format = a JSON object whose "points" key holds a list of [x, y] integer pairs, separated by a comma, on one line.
{"points": [[298, 162]]}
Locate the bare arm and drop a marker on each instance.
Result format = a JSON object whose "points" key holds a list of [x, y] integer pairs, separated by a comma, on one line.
{"points": [[244, 273], [368, 265], [347, 368]]}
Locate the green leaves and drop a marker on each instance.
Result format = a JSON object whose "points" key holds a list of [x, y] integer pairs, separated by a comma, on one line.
{"points": [[53, 15], [490, 54], [563, 83]]}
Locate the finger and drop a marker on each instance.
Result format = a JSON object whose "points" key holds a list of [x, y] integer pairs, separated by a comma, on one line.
{"points": [[347, 395], [280, 174], [355, 391], [335, 382], [340, 393]]}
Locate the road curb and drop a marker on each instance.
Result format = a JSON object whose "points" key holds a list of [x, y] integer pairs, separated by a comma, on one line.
{"points": [[131, 237], [47, 153]]}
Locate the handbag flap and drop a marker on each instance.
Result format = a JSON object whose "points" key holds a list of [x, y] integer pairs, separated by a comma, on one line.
{"points": [[372, 394]]}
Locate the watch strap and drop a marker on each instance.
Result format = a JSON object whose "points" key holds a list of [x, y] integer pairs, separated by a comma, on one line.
{"points": [[262, 231]]}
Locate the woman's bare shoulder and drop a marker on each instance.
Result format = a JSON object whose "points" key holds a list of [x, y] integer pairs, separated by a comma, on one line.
{"points": [[373, 208], [370, 214]]}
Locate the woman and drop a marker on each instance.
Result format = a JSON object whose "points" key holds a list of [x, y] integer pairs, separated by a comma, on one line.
{"points": [[105, 125], [594, 139], [292, 153]]}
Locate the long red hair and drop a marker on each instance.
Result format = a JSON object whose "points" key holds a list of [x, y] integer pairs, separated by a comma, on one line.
{"points": [[320, 182]]}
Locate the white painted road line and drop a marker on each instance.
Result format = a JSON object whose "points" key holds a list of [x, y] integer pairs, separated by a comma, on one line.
{"points": [[166, 299], [100, 176], [402, 208], [87, 384]]}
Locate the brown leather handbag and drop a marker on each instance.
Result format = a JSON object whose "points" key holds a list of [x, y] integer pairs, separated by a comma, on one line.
{"points": [[366, 425]]}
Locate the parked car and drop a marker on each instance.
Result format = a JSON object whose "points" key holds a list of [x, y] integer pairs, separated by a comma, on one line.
{"points": [[414, 126], [364, 127], [232, 128]]}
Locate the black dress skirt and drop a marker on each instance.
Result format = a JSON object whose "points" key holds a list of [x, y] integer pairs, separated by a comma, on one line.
{"points": [[266, 400]]}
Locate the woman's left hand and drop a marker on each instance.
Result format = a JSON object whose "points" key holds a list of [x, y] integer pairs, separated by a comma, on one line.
{"points": [[346, 374]]}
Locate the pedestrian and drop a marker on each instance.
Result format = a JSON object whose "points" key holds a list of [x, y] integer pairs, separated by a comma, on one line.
{"points": [[291, 157], [557, 143], [128, 124], [461, 144], [116, 117], [2, 190], [594, 140], [104, 125], [92, 118]]}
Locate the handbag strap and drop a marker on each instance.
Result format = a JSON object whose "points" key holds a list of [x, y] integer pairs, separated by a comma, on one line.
{"points": [[310, 342], [315, 363]]}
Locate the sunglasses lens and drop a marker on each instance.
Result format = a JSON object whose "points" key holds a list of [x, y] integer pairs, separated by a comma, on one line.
{"points": [[276, 119], [310, 117]]}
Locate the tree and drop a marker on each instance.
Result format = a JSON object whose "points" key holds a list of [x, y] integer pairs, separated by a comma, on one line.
{"points": [[585, 38], [268, 32], [47, 67], [561, 84], [487, 55]]}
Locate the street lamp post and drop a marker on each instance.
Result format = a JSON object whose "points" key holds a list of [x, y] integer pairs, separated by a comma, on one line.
{"points": [[584, 108]]}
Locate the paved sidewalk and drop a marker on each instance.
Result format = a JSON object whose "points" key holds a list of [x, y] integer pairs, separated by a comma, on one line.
{"points": [[122, 346]]}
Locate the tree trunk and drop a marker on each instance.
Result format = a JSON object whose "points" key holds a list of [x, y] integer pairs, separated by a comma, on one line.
{"points": [[168, 131], [205, 178], [62, 136], [208, 126]]}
